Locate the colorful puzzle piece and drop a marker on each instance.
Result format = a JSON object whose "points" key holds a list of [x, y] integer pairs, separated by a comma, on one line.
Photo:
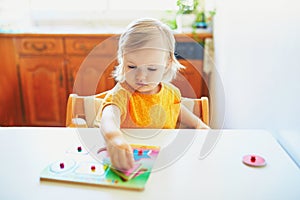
{"points": [[128, 174], [138, 154]]}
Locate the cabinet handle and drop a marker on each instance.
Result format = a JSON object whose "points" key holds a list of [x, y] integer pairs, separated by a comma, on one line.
{"points": [[71, 78], [39, 48], [61, 79], [83, 48]]}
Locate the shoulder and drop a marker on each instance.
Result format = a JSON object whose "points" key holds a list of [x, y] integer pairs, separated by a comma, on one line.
{"points": [[172, 89], [117, 91], [119, 97]]}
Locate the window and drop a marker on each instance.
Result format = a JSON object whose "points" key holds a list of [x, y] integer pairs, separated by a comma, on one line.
{"points": [[143, 5], [68, 12], [60, 11]]}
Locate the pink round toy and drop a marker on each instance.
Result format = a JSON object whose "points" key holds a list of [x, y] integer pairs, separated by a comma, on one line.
{"points": [[254, 160]]}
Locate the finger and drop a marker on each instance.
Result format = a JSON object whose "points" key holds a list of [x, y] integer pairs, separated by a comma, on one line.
{"points": [[123, 160], [115, 159], [129, 159], [129, 156]]}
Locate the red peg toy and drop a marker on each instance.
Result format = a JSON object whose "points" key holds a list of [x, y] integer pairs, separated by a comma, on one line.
{"points": [[253, 159], [93, 168], [61, 165], [140, 152]]}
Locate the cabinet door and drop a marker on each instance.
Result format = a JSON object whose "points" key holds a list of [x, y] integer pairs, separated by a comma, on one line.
{"points": [[10, 103], [44, 90], [90, 75]]}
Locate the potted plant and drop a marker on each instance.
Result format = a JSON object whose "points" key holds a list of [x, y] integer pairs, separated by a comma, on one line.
{"points": [[192, 15], [186, 15]]}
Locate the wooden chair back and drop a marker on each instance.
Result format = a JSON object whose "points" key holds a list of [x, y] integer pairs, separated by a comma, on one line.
{"points": [[82, 111], [200, 107]]}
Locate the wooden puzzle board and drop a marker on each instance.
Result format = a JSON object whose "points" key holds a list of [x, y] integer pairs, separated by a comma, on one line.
{"points": [[78, 166]]}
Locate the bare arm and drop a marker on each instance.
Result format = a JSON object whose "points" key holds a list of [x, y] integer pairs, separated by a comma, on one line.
{"points": [[188, 118], [119, 150]]}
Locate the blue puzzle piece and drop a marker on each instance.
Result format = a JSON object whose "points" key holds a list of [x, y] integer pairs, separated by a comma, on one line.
{"points": [[139, 154]]}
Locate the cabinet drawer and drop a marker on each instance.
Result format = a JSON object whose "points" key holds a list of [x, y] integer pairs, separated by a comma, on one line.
{"points": [[38, 46], [105, 46]]}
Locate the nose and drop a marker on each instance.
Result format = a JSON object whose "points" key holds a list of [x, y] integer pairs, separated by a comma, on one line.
{"points": [[141, 74]]}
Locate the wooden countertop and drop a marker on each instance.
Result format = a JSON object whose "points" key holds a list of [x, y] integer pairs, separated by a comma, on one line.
{"points": [[88, 31]]}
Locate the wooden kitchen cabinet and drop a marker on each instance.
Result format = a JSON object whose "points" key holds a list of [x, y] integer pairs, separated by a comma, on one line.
{"points": [[43, 87], [90, 61], [89, 76], [10, 101], [42, 79], [51, 68], [192, 81], [43, 69]]}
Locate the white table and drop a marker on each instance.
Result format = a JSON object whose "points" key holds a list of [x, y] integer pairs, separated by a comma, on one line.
{"points": [[221, 175], [290, 140]]}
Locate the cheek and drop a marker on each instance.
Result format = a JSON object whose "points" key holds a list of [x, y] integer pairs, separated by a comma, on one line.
{"points": [[157, 76], [130, 74], [161, 72]]}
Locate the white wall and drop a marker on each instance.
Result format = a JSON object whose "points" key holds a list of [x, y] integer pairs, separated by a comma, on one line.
{"points": [[257, 54]]}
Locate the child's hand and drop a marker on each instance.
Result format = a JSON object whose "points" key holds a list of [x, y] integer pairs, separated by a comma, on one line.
{"points": [[120, 153]]}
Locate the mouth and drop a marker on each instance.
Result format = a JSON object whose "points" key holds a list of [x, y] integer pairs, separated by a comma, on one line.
{"points": [[141, 84]]}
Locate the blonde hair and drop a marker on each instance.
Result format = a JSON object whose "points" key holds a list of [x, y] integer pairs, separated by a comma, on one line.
{"points": [[140, 34]]}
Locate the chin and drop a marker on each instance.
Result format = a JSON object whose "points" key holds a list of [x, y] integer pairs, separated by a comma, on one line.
{"points": [[143, 89]]}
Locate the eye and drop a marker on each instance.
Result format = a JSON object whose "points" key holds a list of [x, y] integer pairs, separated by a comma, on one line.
{"points": [[131, 67], [152, 69]]}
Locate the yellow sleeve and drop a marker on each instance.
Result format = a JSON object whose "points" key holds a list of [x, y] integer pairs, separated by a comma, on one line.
{"points": [[118, 98]]}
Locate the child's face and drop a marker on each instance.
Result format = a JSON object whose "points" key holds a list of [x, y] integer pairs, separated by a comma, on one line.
{"points": [[144, 69]]}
